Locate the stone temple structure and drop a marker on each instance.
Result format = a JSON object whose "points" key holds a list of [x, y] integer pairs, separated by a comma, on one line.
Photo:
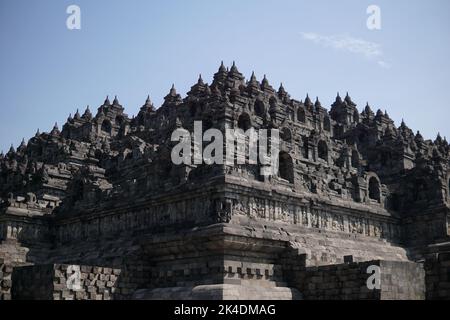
{"points": [[97, 210]]}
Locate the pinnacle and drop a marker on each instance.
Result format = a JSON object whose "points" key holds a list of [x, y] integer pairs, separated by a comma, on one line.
{"points": [[200, 80], [222, 67]]}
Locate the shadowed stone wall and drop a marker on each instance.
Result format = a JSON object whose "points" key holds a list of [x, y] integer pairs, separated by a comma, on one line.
{"points": [[438, 277], [103, 191], [65, 282], [399, 281]]}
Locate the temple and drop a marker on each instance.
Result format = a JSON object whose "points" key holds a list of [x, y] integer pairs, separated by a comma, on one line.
{"points": [[96, 209]]}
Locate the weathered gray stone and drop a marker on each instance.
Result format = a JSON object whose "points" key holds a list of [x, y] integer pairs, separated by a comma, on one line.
{"points": [[102, 194]]}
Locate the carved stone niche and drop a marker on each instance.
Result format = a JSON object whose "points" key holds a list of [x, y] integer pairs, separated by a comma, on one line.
{"points": [[31, 198]]}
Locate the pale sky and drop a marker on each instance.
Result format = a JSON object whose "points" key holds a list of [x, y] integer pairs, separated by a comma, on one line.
{"points": [[135, 48]]}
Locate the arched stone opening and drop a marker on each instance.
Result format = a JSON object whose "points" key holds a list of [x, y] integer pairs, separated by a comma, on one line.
{"points": [[374, 189], [286, 135], [260, 109], [119, 120], [305, 149], [322, 150], [355, 159], [106, 126], [244, 122], [326, 124], [301, 116], [286, 167]]}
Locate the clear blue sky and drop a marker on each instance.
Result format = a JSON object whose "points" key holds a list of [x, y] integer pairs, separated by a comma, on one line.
{"points": [[134, 48]]}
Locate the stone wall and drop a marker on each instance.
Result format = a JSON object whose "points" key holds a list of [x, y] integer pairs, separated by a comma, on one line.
{"points": [[5, 280], [402, 280], [188, 209], [65, 282], [438, 277], [399, 281], [289, 208], [23, 240]]}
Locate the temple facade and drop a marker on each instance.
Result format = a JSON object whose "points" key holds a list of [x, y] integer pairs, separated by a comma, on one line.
{"points": [[99, 203]]}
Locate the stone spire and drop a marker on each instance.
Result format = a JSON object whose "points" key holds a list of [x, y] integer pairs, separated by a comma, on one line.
{"points": [[405, 131], [338, 99], [107, 103], [173, 91], [116, 102], [308, 101], [349, 101], [173, 96], [253, 85], [438, 139], [282, 94], [38, 133], [87, 115], [77, 115], [317, 104], [265, 82], [11, 149], [253, 78], [148, 101], [234, 68], [148, 105], [367, 112], [55, 131], [418, 138], [199, 88], [22, 146], [69, 118], [220, 76], [200, 80], [265, 86], [235, 74], [222, 67]]}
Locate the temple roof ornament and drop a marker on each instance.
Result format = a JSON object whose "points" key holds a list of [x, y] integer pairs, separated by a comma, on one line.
{"points": [[87, 114], [317, 103], [338, 99], [308, 101], [173, 96], [55, 131], [116, 102]]}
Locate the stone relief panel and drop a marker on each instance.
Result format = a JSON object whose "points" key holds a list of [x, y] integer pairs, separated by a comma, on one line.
{"points": [[196, 210], [304, 215]]}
